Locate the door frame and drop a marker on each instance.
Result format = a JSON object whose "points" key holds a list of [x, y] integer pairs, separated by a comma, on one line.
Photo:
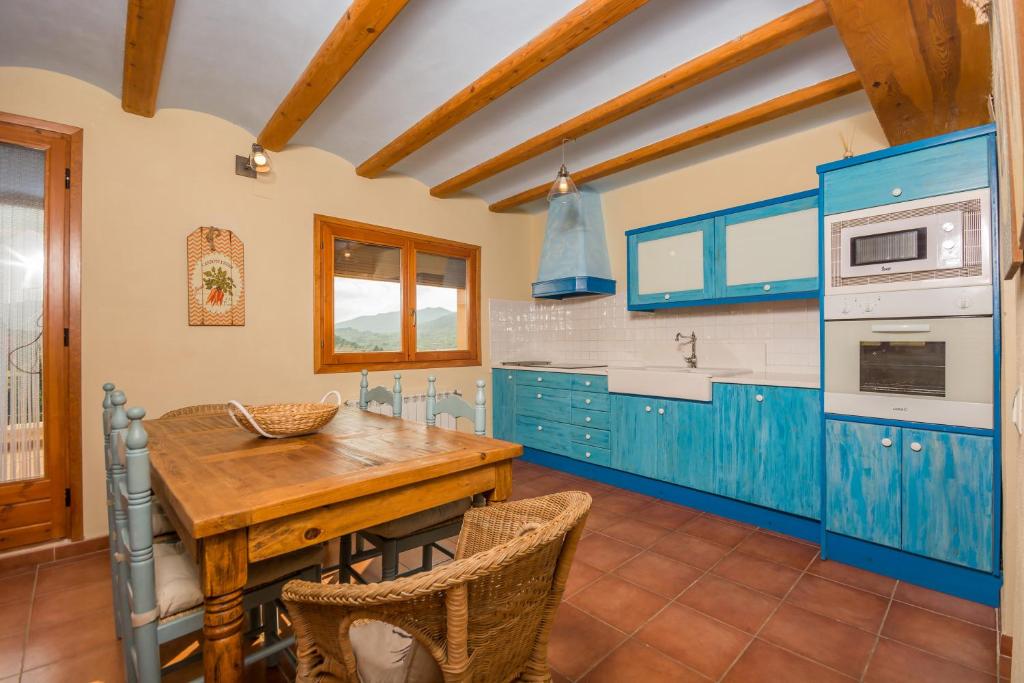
{"points": [[72, 314]]}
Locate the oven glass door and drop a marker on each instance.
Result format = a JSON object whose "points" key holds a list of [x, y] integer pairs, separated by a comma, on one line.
{"points": [[912, 368]]}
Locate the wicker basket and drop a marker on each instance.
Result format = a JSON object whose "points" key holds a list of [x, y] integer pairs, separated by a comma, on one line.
{"points": [[281, 420]]}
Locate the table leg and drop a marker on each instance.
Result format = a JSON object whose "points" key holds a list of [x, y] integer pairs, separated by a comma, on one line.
{"points": [[502, 483], [224, 573]]}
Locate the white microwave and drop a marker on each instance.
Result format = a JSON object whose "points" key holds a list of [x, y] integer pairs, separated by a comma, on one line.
{"points": [[934, 370], [927, 257]]}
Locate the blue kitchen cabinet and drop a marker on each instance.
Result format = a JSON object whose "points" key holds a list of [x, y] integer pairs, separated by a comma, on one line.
{"points": [[863, 465], [672, 263], [768, 442], [947, 486], [768, 249], [687, 453], [635, 441], [503, 407]]}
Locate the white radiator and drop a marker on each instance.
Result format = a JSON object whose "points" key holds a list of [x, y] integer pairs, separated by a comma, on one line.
{"points": [[415, 408]]}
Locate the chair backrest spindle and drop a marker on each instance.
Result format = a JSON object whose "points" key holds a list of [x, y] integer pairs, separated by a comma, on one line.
{"points": [[456, 407], [381, 395]]}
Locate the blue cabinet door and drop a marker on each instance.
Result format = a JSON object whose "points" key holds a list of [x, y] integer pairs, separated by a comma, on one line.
{"points": [[687, 453], [672, 263], [788, 473], [503, 407], [768, 249], [947, 497], [863, 493], [635, 440], [738, 435]]}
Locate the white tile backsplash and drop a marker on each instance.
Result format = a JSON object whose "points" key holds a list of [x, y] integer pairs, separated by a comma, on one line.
{"points": [[772, 336]]}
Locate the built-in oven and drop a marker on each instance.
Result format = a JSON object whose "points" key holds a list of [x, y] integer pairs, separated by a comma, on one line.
{"points": [[934, 370], [928, 257]]}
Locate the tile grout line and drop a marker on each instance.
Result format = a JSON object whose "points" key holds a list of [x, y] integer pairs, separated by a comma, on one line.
{"points": [[28, 621], [878, 635]]}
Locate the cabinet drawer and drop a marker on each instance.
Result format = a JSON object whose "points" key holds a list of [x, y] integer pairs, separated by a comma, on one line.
{"points": [[597, 437], [953, 167], [590, 418], [597, 383], [543, 402], [592, 454], [589, 401], [544, 435], [557, 380]]}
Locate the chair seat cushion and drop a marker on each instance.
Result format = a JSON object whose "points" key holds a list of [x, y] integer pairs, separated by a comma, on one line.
{"points": [[387, 654], [419, 521], [161, 523], [177, 576]]}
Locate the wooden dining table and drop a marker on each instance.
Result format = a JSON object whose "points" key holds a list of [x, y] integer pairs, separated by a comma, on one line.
{"points": [[235, 498]]}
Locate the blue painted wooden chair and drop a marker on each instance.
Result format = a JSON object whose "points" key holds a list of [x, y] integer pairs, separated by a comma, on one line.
{"points": [[157, 594], [424, 529], [381, 395]]}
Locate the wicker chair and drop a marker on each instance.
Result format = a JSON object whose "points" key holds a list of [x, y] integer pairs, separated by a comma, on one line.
{"points": [[485, 617], [201, 409]]}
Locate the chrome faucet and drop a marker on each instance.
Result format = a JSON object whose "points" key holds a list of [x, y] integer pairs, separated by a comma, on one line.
{"points": [[691, 360]]}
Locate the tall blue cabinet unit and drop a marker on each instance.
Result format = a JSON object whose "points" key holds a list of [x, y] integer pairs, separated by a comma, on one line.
{"points": [[919, 502]]}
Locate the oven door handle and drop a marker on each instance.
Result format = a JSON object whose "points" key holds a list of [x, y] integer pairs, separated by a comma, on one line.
{"points": [[901, 327]]}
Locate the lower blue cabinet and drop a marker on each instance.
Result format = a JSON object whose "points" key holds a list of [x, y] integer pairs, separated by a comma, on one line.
{"points": [[862, 463], [503, 405], [767, 449], [918, 490], [635, 440], [947, 497]]}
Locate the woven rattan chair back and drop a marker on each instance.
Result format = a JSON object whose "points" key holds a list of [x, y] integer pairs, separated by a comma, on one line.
{"points": [[484, 617]]}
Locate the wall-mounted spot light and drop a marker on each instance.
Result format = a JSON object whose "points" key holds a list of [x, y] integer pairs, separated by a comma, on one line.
{"points": [[257, 162]]}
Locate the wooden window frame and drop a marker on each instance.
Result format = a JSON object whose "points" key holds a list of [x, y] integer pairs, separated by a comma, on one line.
{"points": [[325, 230]]}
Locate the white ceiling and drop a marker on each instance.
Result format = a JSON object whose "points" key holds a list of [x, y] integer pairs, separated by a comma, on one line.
{"points": [[238, 58]]}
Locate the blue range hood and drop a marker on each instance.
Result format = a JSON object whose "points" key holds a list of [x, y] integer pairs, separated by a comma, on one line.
{"points": [[574, 259]]}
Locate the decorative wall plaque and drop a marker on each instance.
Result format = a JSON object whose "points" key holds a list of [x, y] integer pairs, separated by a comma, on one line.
{"points": [[216, 277]]}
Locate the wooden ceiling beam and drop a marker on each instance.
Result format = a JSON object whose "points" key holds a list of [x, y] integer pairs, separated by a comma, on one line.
{"points": [[585, 21], [771, 36], [363, 22], [925, 64], [760, 113], [145, 43]]}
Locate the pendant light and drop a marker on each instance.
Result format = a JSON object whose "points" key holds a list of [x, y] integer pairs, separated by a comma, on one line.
{"points": [[563, 184]]}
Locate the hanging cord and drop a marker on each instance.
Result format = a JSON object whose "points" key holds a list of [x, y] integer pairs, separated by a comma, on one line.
{"points": [[16, 349]]}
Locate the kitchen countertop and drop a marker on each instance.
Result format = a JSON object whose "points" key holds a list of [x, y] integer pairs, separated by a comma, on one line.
{"points": [[808, 380]]}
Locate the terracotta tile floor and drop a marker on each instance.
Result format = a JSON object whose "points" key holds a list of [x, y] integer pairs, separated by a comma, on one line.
{"points": [[658, 592]]}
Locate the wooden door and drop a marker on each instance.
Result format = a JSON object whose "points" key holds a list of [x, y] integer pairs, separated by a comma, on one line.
{"points": [[789, 470], [503, 415], [39, 428], [947, 497], [862, 465], [687, 452], [635, 440], [738, 440]]}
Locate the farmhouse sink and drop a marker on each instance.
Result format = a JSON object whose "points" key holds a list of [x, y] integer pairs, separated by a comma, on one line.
{"points": [[668, 381]]}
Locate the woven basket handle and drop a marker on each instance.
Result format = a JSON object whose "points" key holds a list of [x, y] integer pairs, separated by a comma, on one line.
{"points": [[332, 392], [236, 406]]}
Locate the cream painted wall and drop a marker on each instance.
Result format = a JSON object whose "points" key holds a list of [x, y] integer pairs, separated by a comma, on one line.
{"points": [[149, 182]]}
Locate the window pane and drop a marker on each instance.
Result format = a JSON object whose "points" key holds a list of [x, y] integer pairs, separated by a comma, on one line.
{"points": [[442, 303], [367, 297]]}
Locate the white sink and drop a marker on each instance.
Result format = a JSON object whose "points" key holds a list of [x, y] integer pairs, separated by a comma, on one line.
{"points": [[668, 381]]}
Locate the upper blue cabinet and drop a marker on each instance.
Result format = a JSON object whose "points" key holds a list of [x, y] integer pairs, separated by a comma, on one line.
{"points": [[766, 250]]}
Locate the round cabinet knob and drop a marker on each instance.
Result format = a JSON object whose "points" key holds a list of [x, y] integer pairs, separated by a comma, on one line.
{"points": [[886, 442], [540, 395], [948, 244], [897, 191], [586, 419], [666, 297], [587, 454], [647, 408], [540, 379], [759, 398], [767, 288], [587, 383], [947, 227], [540, 428], [587, 401], [586, 437], [916, 447], [661, 411], [510, 376]]}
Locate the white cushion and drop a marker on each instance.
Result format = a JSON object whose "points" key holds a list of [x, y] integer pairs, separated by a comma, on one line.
{"points": [[161, 524], [177, 579], [387, 654]]}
